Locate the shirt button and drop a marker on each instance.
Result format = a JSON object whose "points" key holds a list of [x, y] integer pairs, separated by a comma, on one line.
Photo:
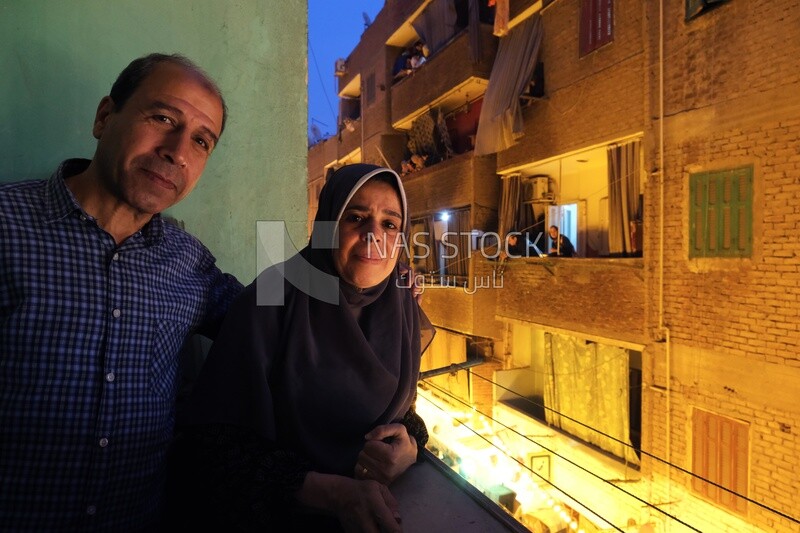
{"points": [[103, 442], [116, 313], [110, 377], [83, 218], [115, 257], [91, 510]]}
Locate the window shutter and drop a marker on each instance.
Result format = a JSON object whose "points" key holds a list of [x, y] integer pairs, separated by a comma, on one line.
{"points": [[698, 188], [720, 450], [721, 213], [597, 24]]}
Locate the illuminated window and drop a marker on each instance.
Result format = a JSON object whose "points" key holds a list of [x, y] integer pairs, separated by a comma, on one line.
{"points": [[721, 213], [719, 454], [597, 24], [441, 246]]}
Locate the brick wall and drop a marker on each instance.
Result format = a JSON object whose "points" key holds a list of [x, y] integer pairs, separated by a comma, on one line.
{"points": [[588, 100], [603, 297], [444, 71], [457, 182], [732, 76]]}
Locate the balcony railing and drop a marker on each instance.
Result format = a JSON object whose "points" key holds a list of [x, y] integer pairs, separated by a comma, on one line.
{"points": [[456, 182], [448, 79]]}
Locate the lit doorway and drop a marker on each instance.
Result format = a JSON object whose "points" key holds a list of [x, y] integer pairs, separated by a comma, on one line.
{"points": [[564, 216]]}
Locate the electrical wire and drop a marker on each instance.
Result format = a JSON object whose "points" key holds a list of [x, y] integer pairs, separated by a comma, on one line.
{"points": [[573, 463], [319, 74], [643, 452], [526, 466]]}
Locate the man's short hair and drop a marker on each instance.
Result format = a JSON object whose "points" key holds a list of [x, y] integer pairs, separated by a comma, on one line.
{"points": [[134, 74]]}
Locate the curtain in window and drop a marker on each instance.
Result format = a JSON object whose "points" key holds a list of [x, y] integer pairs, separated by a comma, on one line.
{"points": [[474, 31], [623, 196], [509, 204], [501, 117], [588, 383], [459, 227], [422, 235], [436, 24], [444, 133]]}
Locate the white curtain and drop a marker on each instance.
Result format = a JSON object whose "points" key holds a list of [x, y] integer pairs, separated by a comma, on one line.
{"points": [[623, 195], [586, 392], [501, 117], [436, 24]]}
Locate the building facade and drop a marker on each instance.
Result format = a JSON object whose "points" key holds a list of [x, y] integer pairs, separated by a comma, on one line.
{"points": [[658, 366]]}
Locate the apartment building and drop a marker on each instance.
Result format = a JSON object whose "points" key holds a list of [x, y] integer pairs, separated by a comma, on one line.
{"points": [[649, 381]]}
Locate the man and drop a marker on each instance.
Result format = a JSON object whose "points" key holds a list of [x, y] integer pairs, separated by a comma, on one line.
{"points": [[561, 245], [97, 295]]}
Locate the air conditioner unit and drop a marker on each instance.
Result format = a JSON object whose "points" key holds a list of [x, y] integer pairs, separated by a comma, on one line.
{"points": [[540, 189], [341, 67]]}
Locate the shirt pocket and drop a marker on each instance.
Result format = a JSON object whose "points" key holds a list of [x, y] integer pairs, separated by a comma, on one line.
{"points": [[169, 336]]}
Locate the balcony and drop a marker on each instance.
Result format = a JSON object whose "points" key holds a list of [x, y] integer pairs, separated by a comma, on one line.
{"points": [[449, 79], [349, 139], [460, 181], [605, 297], [433, 498]]}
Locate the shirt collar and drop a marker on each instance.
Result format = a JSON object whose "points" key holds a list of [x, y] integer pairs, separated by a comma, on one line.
{"points": [[60, 202]]}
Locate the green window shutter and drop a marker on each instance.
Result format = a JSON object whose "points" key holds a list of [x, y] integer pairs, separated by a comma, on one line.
{"points": [[698, 189], [721, 213]]}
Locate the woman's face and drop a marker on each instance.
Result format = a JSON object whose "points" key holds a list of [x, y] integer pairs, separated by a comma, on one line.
{"points": [[368, 232]]}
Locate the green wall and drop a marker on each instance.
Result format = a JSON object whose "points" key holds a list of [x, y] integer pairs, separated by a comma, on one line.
{"points": [[59, 58]]}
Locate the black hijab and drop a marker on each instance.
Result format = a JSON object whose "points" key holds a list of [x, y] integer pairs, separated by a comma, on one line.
{"points": [[318, 372]]}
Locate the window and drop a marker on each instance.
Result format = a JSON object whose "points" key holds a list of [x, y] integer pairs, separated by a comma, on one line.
{"points": [[696, 7], [597, 24], [440, 245], [719, 454], [721, 213]]}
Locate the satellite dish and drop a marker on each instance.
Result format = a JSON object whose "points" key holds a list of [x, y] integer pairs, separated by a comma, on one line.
{"points": [[367, 20]]}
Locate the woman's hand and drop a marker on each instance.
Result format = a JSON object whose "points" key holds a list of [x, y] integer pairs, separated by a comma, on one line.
{"points": [[368, 506], [388, 452], [360, 505]]}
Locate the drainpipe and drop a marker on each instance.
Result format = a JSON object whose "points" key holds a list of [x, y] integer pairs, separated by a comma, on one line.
{"points": [[363, 104], [663, 331]]}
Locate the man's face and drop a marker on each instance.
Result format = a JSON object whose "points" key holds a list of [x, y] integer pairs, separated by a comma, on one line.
{"points": [[368, 231], [151, 152], [553, 233]]}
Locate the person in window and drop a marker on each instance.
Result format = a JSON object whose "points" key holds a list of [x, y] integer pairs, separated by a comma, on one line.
{"points": [[402, 65], [304, 412], [560, 245], [516, 245]]}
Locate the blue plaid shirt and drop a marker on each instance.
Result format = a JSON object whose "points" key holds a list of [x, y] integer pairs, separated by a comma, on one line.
{"points": [[90, 333]]}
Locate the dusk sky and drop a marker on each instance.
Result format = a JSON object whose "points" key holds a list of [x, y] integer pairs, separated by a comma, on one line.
{"points": [[334, 29]]}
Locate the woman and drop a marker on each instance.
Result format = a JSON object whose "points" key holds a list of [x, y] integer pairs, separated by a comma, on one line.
{"points": [[304, 410]]}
